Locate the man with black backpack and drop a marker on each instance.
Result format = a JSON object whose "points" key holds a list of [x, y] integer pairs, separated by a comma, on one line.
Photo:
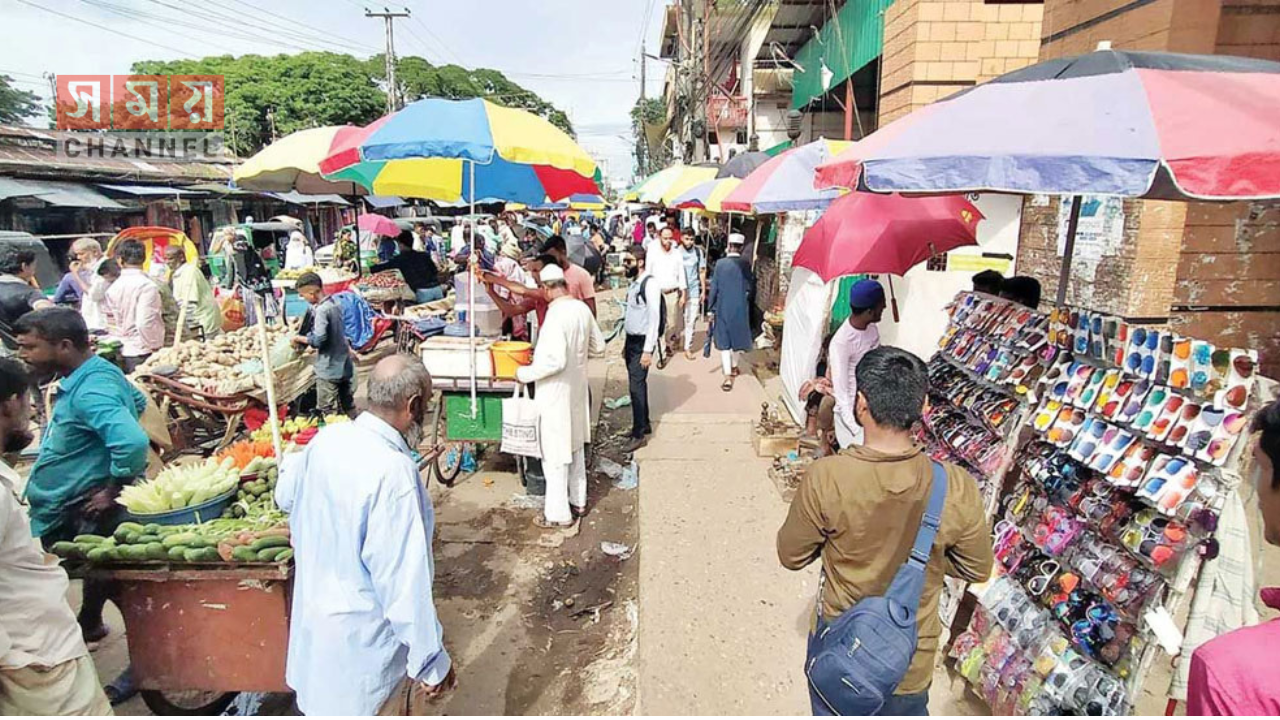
{"points": [[644, 323], [887, 523]]}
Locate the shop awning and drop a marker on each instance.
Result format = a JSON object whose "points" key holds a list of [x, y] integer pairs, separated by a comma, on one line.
{"points": [[145, 190], [847, 42], [62, 194], [297, 198], [10, 188]]}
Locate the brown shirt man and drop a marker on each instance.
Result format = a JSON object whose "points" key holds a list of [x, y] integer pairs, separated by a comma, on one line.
{"points": [[859, 511]]}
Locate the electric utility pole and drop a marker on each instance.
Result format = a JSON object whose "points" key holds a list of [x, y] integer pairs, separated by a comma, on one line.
{"points": [[389, 17]]}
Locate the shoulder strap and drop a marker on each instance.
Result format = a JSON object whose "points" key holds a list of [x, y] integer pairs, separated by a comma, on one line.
{"points": [[641, 297], [932, 518]]}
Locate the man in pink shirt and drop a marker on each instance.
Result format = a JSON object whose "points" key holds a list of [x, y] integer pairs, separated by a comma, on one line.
{"points": [[855, 338], [581, 285], [1235, 674], [134, 305]]}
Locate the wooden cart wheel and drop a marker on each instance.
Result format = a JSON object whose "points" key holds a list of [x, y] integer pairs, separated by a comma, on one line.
{"points": [[187, 703], [448, 463]]}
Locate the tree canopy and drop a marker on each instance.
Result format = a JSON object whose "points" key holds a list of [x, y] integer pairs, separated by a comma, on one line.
{"points": [[16, 105], [418, 79], [646, 115], [311, 89]]}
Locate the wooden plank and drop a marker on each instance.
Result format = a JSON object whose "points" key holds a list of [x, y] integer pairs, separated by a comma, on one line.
{"points": [[167, 572], [1220, 293], [1232, 266]]}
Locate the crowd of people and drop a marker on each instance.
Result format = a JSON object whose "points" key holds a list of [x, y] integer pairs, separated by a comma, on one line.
{"points": [[360, 519]]}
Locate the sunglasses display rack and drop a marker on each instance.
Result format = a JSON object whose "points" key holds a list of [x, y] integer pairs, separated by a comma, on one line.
{"points": [[1109, 505], [990, 354]]}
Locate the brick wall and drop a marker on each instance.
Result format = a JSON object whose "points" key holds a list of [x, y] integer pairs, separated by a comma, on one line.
{"points": [[934, 48], [1212, 269]]}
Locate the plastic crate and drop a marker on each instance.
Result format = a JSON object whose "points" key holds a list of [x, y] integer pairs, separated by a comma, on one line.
{"points": [[295, 305], [485, 426]]}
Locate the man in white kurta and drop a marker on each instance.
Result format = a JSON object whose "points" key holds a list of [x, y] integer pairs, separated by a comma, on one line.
{"points": [[567, 336]]}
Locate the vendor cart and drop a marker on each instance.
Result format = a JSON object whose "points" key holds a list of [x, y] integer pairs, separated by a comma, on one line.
{"points": [[455, 429], [200, 634], [198, 418]]}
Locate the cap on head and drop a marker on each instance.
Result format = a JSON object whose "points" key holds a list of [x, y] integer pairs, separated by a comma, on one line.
{"points": [[551, 273], [866, 294], [737, 239]]}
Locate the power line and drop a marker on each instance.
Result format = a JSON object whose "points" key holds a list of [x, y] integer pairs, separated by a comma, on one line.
{"points": [[440, 41], [99, 26], [321, 31]]}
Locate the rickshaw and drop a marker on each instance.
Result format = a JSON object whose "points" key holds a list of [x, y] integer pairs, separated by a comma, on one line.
{"points": [[155, 240]]}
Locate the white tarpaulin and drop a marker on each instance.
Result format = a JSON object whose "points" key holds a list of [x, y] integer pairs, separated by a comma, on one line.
{"points": [[805, 323]]}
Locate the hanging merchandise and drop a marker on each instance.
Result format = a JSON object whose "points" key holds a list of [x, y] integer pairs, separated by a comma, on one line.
{"points": [[1107, 502]]}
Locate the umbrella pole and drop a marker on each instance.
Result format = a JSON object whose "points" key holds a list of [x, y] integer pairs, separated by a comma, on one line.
{"points": [[359, 259], [893, 299], [1064, 273], [471, 289]]}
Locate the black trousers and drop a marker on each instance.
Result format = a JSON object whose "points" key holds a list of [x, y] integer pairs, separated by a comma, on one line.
{"points": [[638, 382]]}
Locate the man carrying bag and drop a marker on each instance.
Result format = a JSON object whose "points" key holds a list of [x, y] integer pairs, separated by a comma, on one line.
{"points": [[875, 515]]}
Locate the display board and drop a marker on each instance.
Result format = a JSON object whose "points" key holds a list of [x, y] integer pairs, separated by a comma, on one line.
{"points": [[1104, 446]]}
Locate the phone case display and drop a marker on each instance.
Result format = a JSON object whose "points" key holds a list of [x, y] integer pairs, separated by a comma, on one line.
{"points": [[1113, 494]]}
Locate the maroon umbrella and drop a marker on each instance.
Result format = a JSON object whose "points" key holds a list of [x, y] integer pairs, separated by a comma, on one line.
{"points": [[870, 233]]}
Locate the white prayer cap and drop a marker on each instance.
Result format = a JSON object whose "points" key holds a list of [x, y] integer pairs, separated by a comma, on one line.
{"points": [[551, 273], [737, 239]]}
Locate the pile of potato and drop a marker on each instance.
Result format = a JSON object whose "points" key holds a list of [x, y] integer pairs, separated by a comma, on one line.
{"points": [[211, 365]]}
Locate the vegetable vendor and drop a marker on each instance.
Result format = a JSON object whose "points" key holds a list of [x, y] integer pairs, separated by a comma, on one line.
{"points": [[92, 447], [364, 636], [335, 373]]}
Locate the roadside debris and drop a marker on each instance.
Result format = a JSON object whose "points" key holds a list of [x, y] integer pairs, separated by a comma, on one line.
{"points": [[618, 550], [630, 477]]}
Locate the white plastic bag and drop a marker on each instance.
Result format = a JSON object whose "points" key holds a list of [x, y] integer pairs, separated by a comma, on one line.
{"points": [[520, 425]]}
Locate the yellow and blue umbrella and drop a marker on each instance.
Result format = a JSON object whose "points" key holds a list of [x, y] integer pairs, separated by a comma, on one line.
{"points": [[664, 186], [706, 196], [431, 148]]}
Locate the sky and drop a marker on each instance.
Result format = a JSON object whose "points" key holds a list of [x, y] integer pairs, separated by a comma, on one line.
{"points": [[581, 55]]}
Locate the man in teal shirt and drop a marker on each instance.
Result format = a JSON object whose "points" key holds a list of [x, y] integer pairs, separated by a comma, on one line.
{"points": [[92, 446]]}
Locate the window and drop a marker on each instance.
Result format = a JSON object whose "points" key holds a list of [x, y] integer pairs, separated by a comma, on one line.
{"points": [[937, 263]]}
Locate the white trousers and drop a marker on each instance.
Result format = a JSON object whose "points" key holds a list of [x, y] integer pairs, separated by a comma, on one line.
{"points": [[845, 435], [566, 484], [690, 320], [729, 361]]}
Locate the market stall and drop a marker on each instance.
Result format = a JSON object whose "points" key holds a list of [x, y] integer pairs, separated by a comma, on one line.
{"points": [[207, 387], [204, 569], [1110, 457]]}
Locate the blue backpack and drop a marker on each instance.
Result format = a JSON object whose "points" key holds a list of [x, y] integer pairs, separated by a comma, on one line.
{"points": [[856, 661]]}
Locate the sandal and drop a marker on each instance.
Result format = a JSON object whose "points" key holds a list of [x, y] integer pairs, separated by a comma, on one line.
{"points": [[688, 355], [727, 385], [542, 522], [578, 512]]}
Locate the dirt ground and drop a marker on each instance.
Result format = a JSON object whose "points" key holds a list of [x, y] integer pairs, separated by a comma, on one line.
{"points": [[536, 622]]}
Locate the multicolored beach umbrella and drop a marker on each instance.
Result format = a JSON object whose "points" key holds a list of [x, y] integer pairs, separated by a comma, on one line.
{"points": [[429, 148], [1132, 124], [664, 186], [785, 181], [706, 196], [293, 163]]}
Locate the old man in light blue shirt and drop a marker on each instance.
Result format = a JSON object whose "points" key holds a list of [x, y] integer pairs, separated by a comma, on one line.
{"points": [[363, 633]]}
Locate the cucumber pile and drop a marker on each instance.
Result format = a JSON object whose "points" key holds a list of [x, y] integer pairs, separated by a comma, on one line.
{"points": [[219, 541], [255, 498]]}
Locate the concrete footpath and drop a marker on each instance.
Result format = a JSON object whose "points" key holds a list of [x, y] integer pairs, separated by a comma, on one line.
{"points": [[721, 622], [722, 625]]}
